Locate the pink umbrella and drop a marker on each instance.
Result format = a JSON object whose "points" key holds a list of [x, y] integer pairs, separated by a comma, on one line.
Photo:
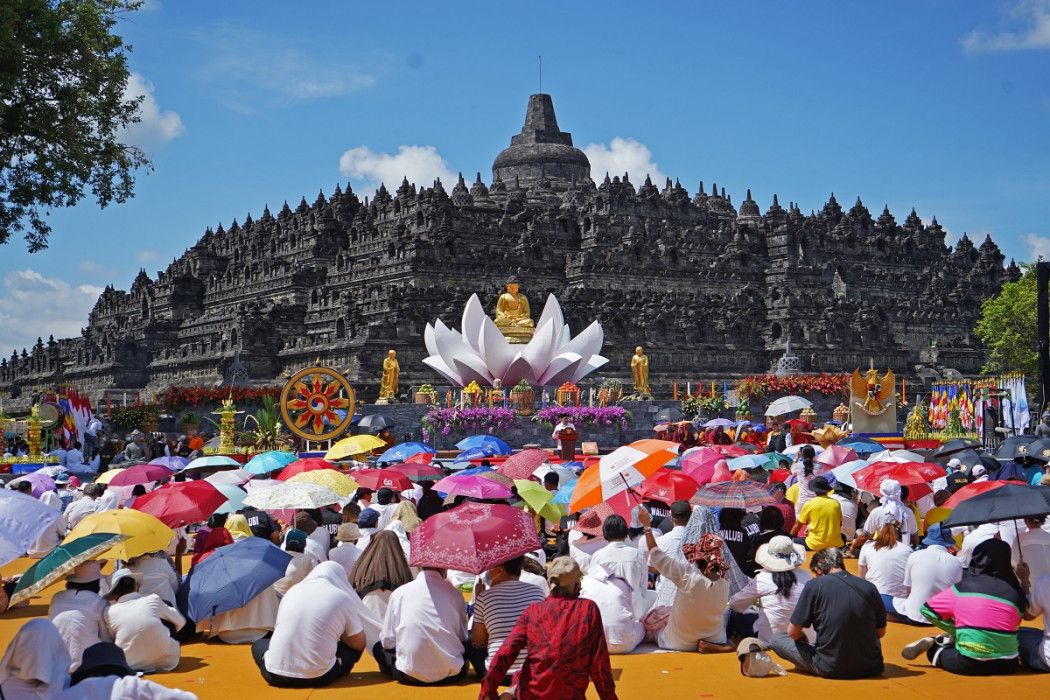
{"points": [[41, 483], [472, 486], [700, 463], [140, 474], [473, 537], [523, 464], [836, 456]]}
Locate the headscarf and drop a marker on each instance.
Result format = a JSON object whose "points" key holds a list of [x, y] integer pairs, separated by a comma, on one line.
{"points": [[37, 653], [405, 513], [237, 526], [707, 554], [892, 506], [208, 541], [382, 566], [992, 558], [703, 522], [330, 573]]}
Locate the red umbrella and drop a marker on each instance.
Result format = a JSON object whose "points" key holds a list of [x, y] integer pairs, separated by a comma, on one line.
{"points": [[523, 464], [310, 464], [376, 479], [907, 473], [669, 486], [473, 537], [731, 450], [971, 490], [420, 458], [181, 503], [418, 472], [140, 474]]}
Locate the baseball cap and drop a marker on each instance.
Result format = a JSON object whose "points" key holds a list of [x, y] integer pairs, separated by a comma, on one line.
{"points": [[368, 518]]}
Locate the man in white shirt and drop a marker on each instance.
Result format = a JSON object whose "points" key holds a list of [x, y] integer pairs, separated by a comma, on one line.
{"points": [[845, 496], [82, 507], [424, 636], [624, 561], [91, 437], [136, 623], [670, 543], [300, 565], [1034, 645], [623, 631], [384, 503], [346, 552], [48, 539], [928, 571], [1033, 546], [109, 500], [74, 457], [585, 537], [79, 612], [1004, 531]]}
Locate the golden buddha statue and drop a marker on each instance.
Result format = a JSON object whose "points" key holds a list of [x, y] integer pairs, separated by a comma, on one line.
{"points": [[640, 372], [513, 317], [388, 384]]}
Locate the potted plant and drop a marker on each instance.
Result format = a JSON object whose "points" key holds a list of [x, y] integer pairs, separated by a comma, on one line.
{"points": [[522, 397], [190, 423], [611, 391], [426, 395], [743, 411]]}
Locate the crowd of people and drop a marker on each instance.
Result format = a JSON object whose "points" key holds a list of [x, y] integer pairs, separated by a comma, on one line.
{"points": [[676, 576]]}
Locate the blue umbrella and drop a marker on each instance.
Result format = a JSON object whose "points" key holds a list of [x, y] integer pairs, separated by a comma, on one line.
{"points": [[266, 462], [172, 463], [844, 472], [481, 441], [235, 496], [475, 470], [231, 577], [399, 453], [766, 460], [477, 453], [862, 446], [564, 493]]}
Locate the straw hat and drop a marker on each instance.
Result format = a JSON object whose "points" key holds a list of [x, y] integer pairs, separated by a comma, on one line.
{"points": [[348, 532], [780, 554]]}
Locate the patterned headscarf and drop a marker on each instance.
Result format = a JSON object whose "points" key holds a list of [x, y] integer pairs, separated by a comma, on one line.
{"points": [[707, 554], [702, 522]]}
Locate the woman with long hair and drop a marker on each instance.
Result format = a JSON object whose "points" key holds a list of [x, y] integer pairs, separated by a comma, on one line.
{"points": [[381, 569], [884, 561], [776, 586]]}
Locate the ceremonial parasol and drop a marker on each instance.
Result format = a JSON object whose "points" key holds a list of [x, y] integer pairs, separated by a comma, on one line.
{"points": [[620, 470], [172, 463], [473, 538], [140, 474], [485, 441], [42, 483], [835, 455], [266, 462], [232, 576], [523, 464], [401, 452], [352, 446], [22, 520], [764, 460], [181, 503], [373, 421], [144, 532], [970, 490], [907, 473], [235, 496], [844, 472], [60, 562], [1009, 502], [418, 472], [787, 404], [862, 446], [212, 462], [539, 499], [669, 486]]}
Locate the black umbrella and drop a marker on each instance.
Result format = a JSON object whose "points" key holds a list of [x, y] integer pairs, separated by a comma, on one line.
{"points": [[956, 445], [1010, 449], [1035, 451], [373, 421], [968, 459], [1010, 502], [668, 415]]}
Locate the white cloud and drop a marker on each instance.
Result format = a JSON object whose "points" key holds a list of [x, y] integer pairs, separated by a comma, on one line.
{"points": [[1039, 246], [623, 155], [251, 71], [420, 164], [93, 267], [146, 255], [156, 126], [1031, 20], [32, 305]]}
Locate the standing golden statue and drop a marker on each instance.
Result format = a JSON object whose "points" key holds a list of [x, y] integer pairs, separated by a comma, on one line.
{"points": [[388, 384], [513, 317], [640, 373]]}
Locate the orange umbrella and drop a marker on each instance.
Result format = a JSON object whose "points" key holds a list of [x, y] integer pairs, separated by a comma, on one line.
{"points": [[620, 470]]}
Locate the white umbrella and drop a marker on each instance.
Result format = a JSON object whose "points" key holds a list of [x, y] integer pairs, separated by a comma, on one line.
{"points": [[844, 472], [291, 495], [787, 404], [565, 475], [896, 456], [211, 462], [236, 477], [22, 520]]}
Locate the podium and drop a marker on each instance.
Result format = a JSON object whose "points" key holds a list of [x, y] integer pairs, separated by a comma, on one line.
{"points": [[567, 439]]}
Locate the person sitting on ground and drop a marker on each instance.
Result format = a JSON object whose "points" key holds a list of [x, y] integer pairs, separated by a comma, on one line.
{"points": [[668, 543], [403, 521], [847, 616], [822, 515], [79, 612], [884, 561], [732, 531], [770, 525], [82, 507], [624, 560], [564, 641], [1034, 644], [979, 615], [35, 664], [497, 609], [385, 502], [346, 552], [847, 498], [380, 570], [368, 525], [696, 619], [301, 563], [805, 470], [424, 635], [585, 537], [623, 630], [317, 539], [1033, 548], [779, 490], [158, 575], [138, 624], [261, 524], [105, 675], [928, 571], [318, 635], [776, 588]]}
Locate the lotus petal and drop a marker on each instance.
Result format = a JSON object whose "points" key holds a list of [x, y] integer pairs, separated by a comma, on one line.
{"points": [[438, 365], [472, 369], [428, 339], [595, 362], [551, 312], [473, 317], [538, 351], [495, 349], [587, 343], [564, 365]]}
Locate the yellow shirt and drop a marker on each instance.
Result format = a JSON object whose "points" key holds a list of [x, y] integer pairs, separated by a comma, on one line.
{"points": [[823, 515], [792, 493]]}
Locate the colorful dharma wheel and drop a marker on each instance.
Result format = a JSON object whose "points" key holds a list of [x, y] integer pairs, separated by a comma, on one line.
{"points": [[313, 403]]}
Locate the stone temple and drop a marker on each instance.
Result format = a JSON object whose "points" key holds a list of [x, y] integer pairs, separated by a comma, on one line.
{"points": [[710, 289]]}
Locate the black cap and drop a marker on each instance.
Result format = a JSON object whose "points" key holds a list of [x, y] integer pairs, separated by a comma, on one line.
{"points": [[101, 660], [681, 509], [819, 485]]}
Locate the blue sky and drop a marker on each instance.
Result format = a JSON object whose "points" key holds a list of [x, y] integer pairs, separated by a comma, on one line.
{"points": [[943, 105]]}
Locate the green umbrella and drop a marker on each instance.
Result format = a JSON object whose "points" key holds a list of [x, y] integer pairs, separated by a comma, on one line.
{"points": [[538, 499], [61, 561]]}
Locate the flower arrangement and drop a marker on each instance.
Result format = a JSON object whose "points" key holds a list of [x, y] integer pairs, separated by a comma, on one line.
{"points": [[466, 420], [175, 397], [594, 416], [755, 387], [522, 386], [131, 417], [426, 394]]}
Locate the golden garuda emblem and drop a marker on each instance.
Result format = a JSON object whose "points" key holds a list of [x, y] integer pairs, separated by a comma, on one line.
{"points": [[870, 393]]}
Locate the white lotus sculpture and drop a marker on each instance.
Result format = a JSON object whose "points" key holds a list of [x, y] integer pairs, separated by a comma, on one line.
{"points": [[481, 353]]}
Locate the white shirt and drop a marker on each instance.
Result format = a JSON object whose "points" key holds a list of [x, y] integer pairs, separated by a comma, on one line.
{"points": [[108, 501], [48, 540], [875, 521], [1034, 546], [346, 555], [51, 498], [80, 617], [311, 620], [80, 509], [885, 567], [699, 606], [628, 563], [928, 572], [321, 541], [623, 632], [73, 458], [774, 612], [805, 494], [245, 624], [1039, 603], [1005, 532], [849, 515], [669, 544], [114, 688], [582, 550], [386, 513], [134, 621], [298, 568], [158, 576], [93, 426], [426, 622]]}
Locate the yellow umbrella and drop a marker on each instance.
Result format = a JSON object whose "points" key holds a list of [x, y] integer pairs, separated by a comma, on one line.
{"points": [[144, 532], [106, 477], [332, 480], [354, 445], [538, 499]]}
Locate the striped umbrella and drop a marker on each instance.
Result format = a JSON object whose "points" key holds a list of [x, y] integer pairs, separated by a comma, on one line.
{"points": [[621, 470], [733, 494]]}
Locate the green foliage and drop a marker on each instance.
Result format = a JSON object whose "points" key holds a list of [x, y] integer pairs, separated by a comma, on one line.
{"points": [[522, 387], [62, 111], [268, 433], [1007, 327], [190, 418], [131, 417]]}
